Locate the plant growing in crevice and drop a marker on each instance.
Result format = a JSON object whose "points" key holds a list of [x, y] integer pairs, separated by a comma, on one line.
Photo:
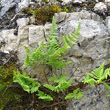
{"points": [[50, 54], [30, 85], [6, 79], [98, 76]]}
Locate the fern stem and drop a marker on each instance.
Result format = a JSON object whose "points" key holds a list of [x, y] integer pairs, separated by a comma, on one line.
{"points": [[46, 78]]}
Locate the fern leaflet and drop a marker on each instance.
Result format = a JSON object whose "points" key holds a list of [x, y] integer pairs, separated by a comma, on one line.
{"points": [[76, 94], [42, 95]]}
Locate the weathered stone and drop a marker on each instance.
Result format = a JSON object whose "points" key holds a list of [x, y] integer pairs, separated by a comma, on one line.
{"points": [[79, 1], [85, 14], [59, 17], [47, 29], [92, 100], [93, 28], [71, 16], [22, 22], [107, 2], [7, 5], [21, 51], [10, 40], [6, 8], [95, 17], [23, 34], [78, 15], [100, 7], [90, 51], [23, 40], [32, 20], [36, 35], [67, 1], [108, 23], [23, 4]]}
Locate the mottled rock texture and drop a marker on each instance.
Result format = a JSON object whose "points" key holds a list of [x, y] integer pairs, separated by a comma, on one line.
{"points": [[91, 50]]}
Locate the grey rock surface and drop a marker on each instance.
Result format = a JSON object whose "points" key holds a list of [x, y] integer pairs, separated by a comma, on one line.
{"points": [[67, 1], [100, 7], [22, 22], [79, 1], [94, 99], [108, 23], [91, 50], [7, 5], [23, 4], [36, 35]]}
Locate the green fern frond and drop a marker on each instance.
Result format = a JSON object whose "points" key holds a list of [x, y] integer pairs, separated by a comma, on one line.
{"points": [[98, 73], [71, 38], [76, 94], [52, 52], [97, 76], [43, 96], [51, 87], [58, 78], [88, 79], [28, 84], [107, 86], [62, 84]]}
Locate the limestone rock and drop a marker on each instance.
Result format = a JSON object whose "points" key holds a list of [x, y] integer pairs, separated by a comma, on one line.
{"points": [[92, 100], [67, 1], [7, 5], [6, 8], [78, 15], [59, 17], [23, 4], [100, 7], [21, 51], [79, 1], [22, 22], [23, 36], [107, 2], [47, 29], [10, 40], [92, 49], [36, 35], [108, 23], [95, 17]]}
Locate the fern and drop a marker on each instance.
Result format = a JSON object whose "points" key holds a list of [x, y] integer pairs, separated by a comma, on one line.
{"points": [[28, 84], [97, 76], [62, 84], [43, 96], [52, 53], [76, 94]]}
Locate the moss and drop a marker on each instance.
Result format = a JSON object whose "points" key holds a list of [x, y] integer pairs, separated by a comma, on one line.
{"points": [[7, 96], [6, 74], [45, 13], [6, 80], [91, 4]]}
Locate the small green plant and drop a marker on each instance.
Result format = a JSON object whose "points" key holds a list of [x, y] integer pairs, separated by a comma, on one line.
{"points": [[44, 96], [50, 54], [61, 82], [30, 85], [76, 94], [98, 76], [27, 83]]}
